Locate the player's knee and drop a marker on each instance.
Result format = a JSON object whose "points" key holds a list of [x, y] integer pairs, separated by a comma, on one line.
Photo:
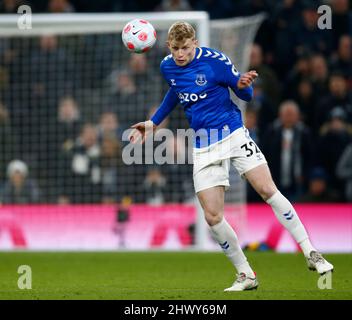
{"points": [[266, 191], [213, 217]]}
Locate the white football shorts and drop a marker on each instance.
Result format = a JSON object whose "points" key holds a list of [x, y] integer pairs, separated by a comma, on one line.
{"points": [[211, 164]]}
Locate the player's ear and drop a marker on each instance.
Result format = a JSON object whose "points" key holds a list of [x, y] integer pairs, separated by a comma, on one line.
{"points": [[195, 41], [168, 44]]}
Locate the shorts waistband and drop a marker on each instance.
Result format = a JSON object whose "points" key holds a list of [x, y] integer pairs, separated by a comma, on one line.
{"points": [[212, 146]]}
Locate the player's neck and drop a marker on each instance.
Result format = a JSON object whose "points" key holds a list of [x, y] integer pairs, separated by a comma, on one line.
{"points": [[194, 54]]}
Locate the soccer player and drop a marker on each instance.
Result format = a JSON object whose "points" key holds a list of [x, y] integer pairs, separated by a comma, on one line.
{"points": [[199, 78]]}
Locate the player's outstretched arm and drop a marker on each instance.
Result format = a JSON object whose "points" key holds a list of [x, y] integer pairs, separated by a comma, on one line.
{"points": [[141, 130]]}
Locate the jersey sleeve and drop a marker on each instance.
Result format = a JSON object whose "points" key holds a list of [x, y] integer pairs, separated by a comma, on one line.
{"points": [[169, 102], [227, 74], [167, 105]]}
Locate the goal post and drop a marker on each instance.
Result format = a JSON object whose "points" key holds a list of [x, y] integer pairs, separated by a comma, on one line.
{"points": [[68, 80], [95, 23]]}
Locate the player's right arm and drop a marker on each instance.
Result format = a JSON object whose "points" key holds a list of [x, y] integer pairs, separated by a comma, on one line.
{"points": [[143, 129], [170, 101]]}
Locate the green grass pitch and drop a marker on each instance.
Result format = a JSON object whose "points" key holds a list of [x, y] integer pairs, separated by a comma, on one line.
{"points": [[166, 275]]}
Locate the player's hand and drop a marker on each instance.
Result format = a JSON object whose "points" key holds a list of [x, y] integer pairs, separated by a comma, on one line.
{"points": [[141, 131], [247, 79]]}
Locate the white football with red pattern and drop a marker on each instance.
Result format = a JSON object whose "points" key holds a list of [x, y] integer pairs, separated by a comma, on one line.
{"points": [[138, 35]]}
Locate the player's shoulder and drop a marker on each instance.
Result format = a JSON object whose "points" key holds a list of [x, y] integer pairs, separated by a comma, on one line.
{"points": [[218, 60], [213, 56], [167, 61]]}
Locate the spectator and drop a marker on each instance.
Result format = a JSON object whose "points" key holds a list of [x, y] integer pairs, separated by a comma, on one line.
{"points": [[109, 126], [19, 189], [60, 6], [306, 100], [344, 171], [342, 62], [58, 134], [288, 148], [68, 122], [319, 191], [144, 77], [338, 95], [309, 35], [174, 5], [10, 6], [270, 83], [79, 179], [286, 14], [216, 8], [262, 105], [7, 141], [154, 186], [52, 77], [251, 120], [285, 26], [124, 99], [53, 72], [113, 185], [341, 19], [319, 74], [335, 136], [300, 71]]}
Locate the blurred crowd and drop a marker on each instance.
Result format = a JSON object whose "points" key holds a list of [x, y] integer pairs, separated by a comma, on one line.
{"points": [[59, 147]]}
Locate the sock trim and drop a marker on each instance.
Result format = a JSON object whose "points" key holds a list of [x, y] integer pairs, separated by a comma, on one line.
{"points": [[272, 198]]}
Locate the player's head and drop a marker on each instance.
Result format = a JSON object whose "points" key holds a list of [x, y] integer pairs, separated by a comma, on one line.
{"points": [[181, 41]]}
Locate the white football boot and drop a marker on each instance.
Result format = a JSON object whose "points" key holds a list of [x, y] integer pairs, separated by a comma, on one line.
{"points": [[243, 283], [316, 262]]}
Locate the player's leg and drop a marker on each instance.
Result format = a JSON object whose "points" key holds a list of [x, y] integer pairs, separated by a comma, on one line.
{"points": [[212, 202], [261, 180]]}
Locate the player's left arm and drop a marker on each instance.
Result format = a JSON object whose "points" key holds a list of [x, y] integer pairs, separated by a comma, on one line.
{"points": [[241, 84], [244, 84]]}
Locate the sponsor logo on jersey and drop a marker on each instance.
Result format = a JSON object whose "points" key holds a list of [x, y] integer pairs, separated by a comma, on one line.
{"points": [[201, 80], [187, 97]]}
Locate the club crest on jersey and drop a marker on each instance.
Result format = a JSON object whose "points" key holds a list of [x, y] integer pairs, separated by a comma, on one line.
{"points": [[201, 80]]}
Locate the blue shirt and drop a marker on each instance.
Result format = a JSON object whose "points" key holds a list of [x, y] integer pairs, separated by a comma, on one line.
{"points": [[202, 89]]}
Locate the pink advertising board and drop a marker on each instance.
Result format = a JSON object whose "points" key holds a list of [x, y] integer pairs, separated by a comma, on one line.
{"points": [[97, 227]]}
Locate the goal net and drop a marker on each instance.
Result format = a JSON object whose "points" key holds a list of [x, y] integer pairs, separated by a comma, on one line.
{"points": [[68, 91]]}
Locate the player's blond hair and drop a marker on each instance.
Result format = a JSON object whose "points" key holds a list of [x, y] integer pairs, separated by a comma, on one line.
{"points": [[180, 31]]}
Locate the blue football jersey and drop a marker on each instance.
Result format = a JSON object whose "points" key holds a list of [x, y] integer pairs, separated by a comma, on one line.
{"points": [[202, 89]]}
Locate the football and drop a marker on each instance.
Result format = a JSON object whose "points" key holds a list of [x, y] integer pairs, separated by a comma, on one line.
{"points": [[138, 35]]}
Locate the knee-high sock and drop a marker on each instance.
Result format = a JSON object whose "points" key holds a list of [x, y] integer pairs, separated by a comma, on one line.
{"points": [[288, 217], [224, 234]]}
